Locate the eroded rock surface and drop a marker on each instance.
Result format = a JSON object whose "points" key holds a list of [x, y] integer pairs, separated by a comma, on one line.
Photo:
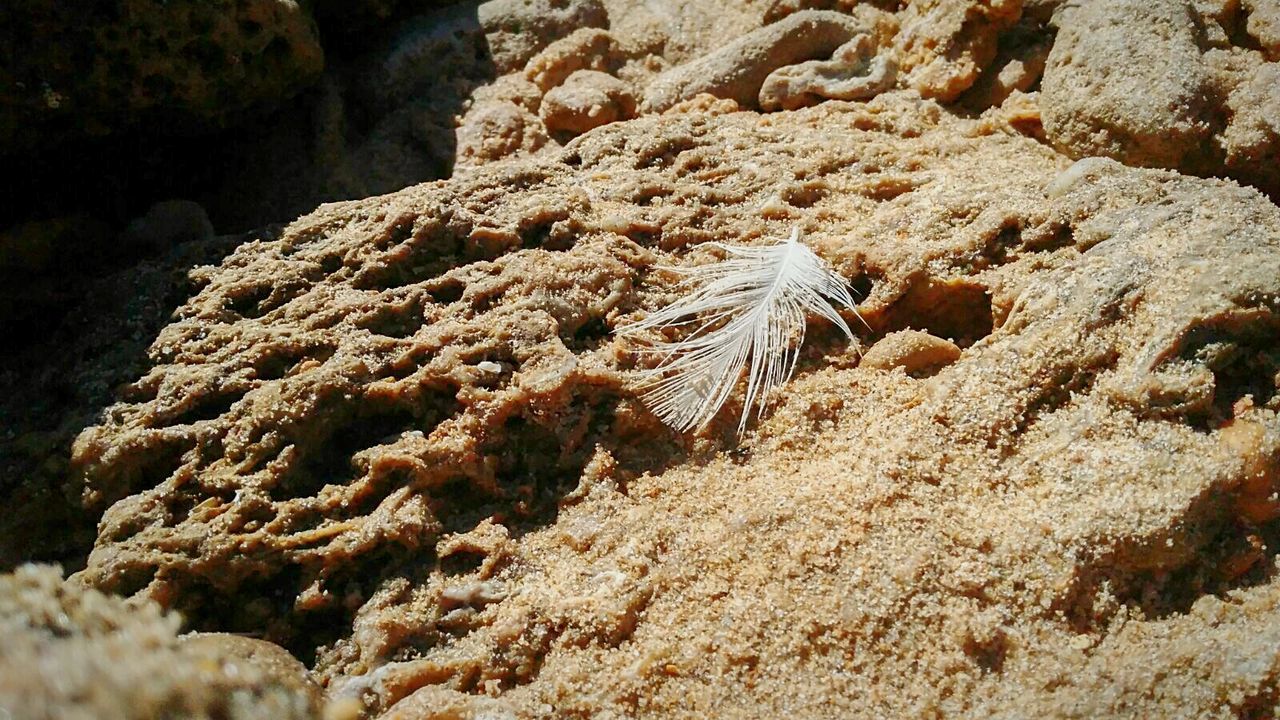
{"points": [[946, 44], [1166, 84], [517, 29], [586, 100], [399, 437], [854, 72], [738, 70], [404, 431]]}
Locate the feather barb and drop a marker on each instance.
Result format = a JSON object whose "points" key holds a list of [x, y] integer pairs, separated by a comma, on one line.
{"points": [[745, 312]]}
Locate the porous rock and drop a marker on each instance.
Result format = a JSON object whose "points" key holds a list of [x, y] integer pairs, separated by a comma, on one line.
{"points": [[738, 70], [335, 427], [854, 72], [1126, 79], [1160, 84], [945, 45], [518, 29], [584, 49], [502, 122], [1263, 24], [586, 100], [1018, 65]]}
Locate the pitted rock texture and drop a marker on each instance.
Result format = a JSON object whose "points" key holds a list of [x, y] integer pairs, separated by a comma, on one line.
{"points": [[1167, 84], [72, 652], [945, 45], [401, 439], [738, 70]]}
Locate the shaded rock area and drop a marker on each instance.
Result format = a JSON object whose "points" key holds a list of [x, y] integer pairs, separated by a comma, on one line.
{"points": [[84, 71], [389, 459], [51, 390]]}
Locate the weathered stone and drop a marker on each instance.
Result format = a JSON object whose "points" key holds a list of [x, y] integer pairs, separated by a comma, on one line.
{"points": [[854, 72], [339, 422], [585, 101], [944, 45], [738, 70], [1158, 84], [518, 29]]}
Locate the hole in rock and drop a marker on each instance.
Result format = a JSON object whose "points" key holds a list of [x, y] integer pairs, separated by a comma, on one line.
{"points": [[327, 454], [954, 309], [247, 302], [448, 291], [1242, 350], [396, 322], [210, 406]]}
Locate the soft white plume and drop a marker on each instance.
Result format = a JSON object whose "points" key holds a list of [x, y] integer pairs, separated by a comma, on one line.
{"points": [[746, 311]]}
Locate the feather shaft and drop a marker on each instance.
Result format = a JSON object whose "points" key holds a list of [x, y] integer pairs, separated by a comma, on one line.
{"points": [[747, 312]]}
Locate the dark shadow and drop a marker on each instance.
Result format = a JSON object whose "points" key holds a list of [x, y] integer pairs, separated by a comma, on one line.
{"points": [[378, 120], [57, 382]]}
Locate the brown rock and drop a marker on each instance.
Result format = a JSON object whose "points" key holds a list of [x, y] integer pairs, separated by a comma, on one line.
{"points": [[168, 223], [518, 29], [1127, 80], [1018, 65], [944, 45], [854, 72], [585, 49], [498, 128], [1250, 143], [1263, 25], [586, 100], [246, 656], [336, 425], [1158, 84], [738, 70], [917, 353]]}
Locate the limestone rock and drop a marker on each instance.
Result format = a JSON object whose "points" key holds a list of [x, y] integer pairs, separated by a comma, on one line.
{"points": [[738, 70], [495, 128], [518, 29], [1249, 145], [1263, 25], [338, 425], [1158, 84], [584, 49], [944, 45], [1127, 80], [854, 72], [917, 353], [1018, 66]]}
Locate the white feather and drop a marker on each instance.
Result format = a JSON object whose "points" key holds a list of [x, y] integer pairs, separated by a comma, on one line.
{"points": [[747, 311]]}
